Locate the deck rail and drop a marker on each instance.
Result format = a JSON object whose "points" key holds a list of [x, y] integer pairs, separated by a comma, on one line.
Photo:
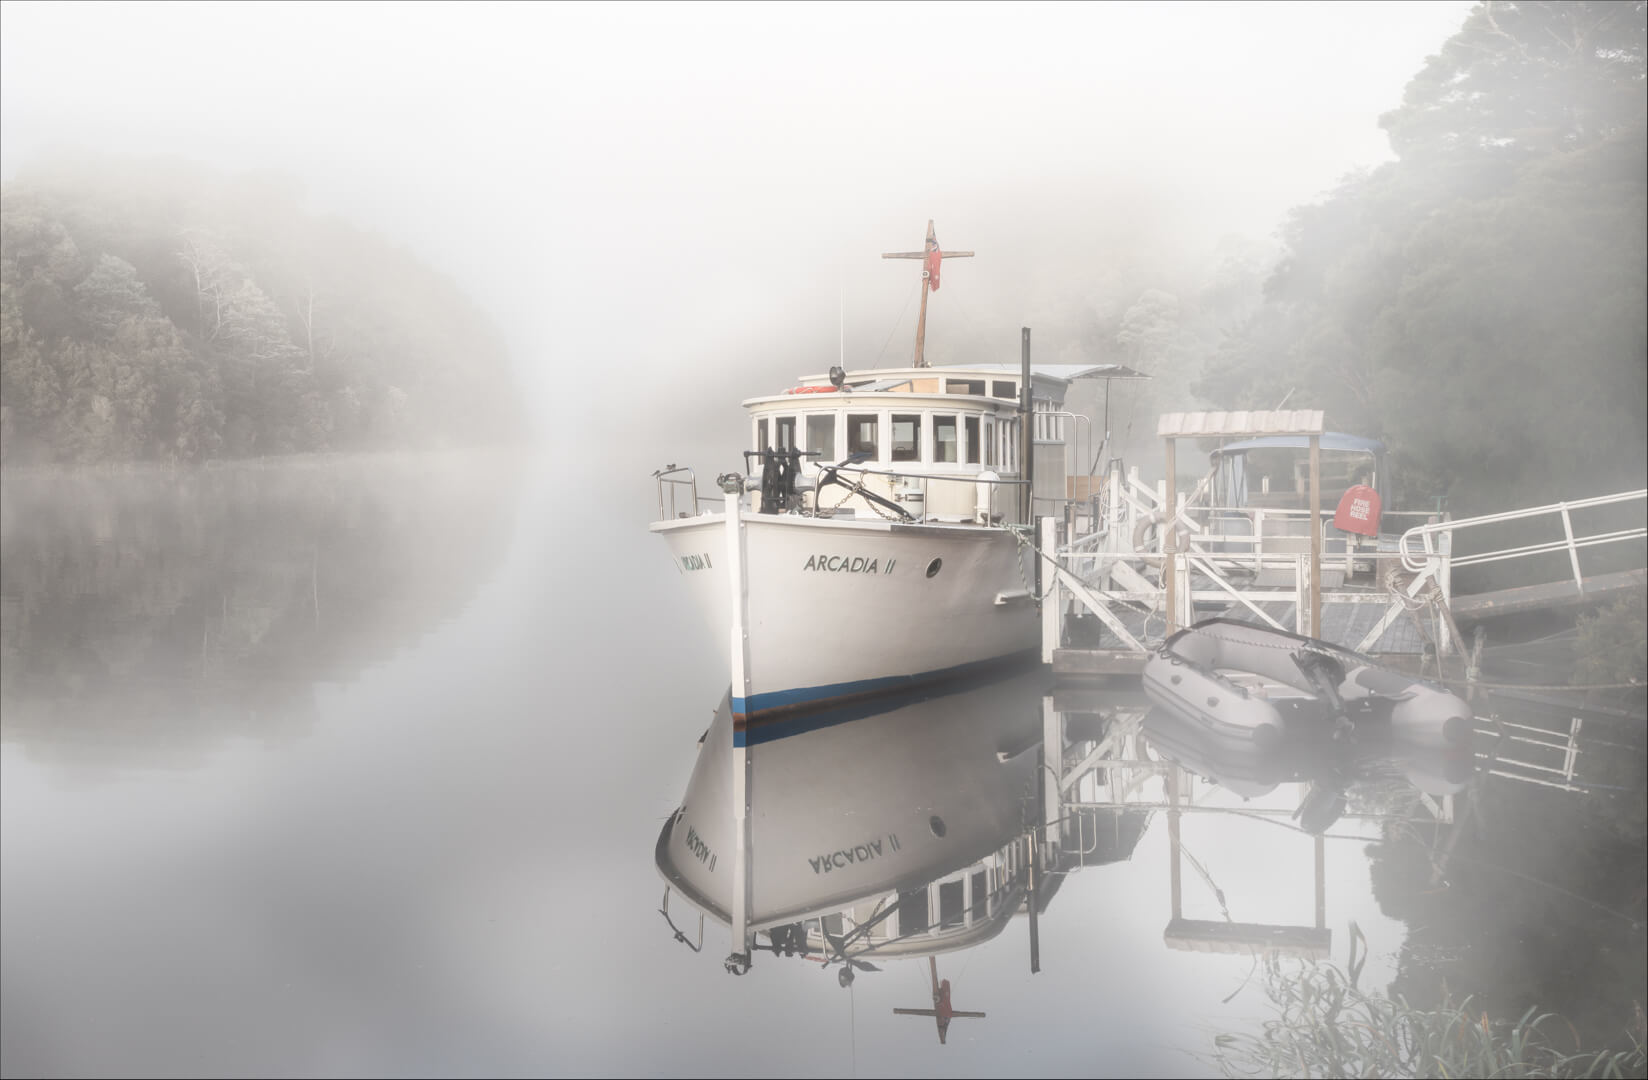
{"points": [[1103, 581], [671, 482], [1426, 535]]}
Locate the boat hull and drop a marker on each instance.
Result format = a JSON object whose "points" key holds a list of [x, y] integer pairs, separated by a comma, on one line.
{"points": [[842, 609]]}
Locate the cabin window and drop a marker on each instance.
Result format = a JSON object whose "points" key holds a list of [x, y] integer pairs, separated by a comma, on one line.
{"points": [[912, 911], [761, 442], [952, 903], [972, 426], [964, 386], [1005, 388], [784, 433], [906, 436], [863, 435], [989, 442], [944, 440], [1049, 427], [977, 903], [821, 435]]}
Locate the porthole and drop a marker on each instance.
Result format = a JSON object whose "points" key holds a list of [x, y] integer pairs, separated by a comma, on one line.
{"points": [[934, 567], [936, 824]]}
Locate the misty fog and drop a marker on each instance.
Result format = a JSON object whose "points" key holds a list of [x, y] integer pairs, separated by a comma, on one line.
{"points": [[346, 691], [681, 194]]}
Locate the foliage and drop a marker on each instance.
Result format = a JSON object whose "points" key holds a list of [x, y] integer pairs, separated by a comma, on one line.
{"points": [[150, 311], [1328, 1027], [1525, 78], [1613, 644], [1479, 303], [1534, 896]]}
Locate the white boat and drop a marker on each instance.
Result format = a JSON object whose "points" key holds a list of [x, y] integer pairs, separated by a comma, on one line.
{"points": [[877, 537], [880, 533]]}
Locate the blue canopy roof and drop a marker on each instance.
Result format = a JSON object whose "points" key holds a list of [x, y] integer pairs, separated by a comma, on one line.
{"points": [[1330, 440]]}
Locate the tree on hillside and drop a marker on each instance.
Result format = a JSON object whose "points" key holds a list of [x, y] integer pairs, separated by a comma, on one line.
{"points": [[1150, 330], [1479, 303], [1526, 78], [151, 310]]}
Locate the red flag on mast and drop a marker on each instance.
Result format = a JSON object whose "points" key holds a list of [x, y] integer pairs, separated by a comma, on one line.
{"points": [[934, 258]]}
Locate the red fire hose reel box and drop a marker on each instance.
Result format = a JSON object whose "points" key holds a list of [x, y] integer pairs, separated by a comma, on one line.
{"points": [[1358, 511]]}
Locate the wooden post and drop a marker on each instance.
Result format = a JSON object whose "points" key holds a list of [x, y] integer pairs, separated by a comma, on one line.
{"points": [[921, 324], [1027, 432], [1315, 536], [1170, 547], [741, 935], [1052, 598], [1035, 930], [1321, 884], [1052, 786], [1173, 839]]}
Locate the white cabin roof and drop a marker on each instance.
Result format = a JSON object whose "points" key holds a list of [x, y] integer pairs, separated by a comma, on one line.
{"points": [[1067, 372], [1063, 372]]}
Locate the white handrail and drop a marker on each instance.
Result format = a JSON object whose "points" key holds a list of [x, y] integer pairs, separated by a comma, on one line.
{"points": [[1416, 560]]}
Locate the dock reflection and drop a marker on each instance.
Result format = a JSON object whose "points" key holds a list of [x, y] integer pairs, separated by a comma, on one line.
{"points": [[921, 826]]}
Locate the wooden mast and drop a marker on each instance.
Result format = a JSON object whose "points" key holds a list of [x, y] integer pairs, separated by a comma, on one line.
{"points": [[941, 1012], [931, 251]]}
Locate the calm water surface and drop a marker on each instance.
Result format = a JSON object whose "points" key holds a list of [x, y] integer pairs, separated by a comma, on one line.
{"points": [[357, 767]]}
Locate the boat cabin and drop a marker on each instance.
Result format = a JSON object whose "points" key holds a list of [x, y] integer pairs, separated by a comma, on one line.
{"points": [[942, 444], [1261, 486], [1274, 472]]}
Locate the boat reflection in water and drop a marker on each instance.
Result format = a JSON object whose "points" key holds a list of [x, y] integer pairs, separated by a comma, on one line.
{"points": [[894, 828], [918, 826]]}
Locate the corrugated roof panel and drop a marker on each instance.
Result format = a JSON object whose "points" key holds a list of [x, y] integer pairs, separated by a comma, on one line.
{"points": [[1224, 424], [1064, 372]]}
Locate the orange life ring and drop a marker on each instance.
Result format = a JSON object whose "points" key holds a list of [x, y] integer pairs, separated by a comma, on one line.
{"points": [[811, 390]]}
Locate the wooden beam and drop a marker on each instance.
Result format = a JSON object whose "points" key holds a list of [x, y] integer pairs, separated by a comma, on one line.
{"points": [[1097, 662], [1170, 546], [1220, 936]]}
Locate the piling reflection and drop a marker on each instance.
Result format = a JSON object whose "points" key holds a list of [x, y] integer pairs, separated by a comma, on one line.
{"points": [[146, 614]]}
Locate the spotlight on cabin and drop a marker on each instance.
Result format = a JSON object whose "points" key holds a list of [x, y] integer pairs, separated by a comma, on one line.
{"points": [[837, 376]]}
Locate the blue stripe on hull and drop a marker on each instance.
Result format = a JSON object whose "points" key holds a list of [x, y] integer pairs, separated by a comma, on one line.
{"points": [[789, 712]]}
